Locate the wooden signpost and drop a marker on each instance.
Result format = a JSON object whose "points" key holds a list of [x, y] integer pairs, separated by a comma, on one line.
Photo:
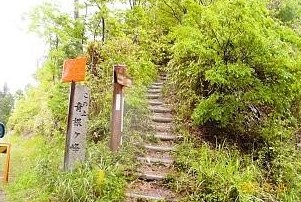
{"points": [[120, 80], [5, 149], [75, 149]]}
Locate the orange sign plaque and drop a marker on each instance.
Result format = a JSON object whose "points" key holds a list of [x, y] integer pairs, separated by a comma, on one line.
{"points": [[74, 69]]}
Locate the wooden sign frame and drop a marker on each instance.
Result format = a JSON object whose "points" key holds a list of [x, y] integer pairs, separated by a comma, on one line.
{"points": [[5, 148]]}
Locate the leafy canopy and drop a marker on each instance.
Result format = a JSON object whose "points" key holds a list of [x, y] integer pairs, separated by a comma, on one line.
{"points": [[242, 65]]}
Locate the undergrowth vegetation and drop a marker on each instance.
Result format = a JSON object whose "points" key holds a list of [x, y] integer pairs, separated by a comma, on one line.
{"points": [[222, 173], [216, 174], [40, 177]]}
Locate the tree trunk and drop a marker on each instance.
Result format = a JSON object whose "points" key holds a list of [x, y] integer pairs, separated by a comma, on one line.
{"points": [[103, 29], [76, 10]]}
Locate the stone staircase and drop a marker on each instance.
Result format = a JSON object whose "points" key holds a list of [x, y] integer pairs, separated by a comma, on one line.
{"points": [[156, 161]]}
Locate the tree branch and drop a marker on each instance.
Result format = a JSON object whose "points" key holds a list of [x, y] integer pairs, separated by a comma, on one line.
{"points": [[173, 11]]}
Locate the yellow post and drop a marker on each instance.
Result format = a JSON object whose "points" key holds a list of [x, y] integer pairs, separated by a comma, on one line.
{"points": [[5, 149]]}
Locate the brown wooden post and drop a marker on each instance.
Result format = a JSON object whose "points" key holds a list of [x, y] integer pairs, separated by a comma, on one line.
{"points": [[117, 109], [120, 80], [7, 164], [5, 148]]}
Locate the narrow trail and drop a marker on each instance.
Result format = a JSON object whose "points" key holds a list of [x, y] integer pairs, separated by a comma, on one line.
{"points": [[156, 162], [2, 194]]}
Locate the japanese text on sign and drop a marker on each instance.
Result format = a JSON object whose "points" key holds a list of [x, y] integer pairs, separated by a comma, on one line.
{"points": [[76, 137]]}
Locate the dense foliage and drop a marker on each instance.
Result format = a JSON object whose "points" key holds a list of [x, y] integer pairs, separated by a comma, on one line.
{"points": [[237, 71], [243, 68]]}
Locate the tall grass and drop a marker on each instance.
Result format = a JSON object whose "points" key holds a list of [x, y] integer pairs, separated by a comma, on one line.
{"points": [[38, 175], [222, 173], [215, 174]]}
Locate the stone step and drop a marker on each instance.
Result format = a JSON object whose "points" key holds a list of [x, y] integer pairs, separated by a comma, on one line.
{"points": [[159, 148], [161, 127], [154, 90], [165, 137], [142, 190], [151, 160], [150, 176], [155, 87], [138, 196], [159, 119], [160, 109], [158, 84], [163, 78], [153, 96], [155, 102]]}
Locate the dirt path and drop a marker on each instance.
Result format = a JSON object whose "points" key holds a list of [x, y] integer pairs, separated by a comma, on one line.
{"points": [[156, 160], [2, 196], [2, 193]]}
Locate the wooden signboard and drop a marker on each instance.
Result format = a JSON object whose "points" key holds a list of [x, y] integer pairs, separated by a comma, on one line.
{"points": [[120, 74], [124, 80], [74, 69], [5, 149], [77, 127]]}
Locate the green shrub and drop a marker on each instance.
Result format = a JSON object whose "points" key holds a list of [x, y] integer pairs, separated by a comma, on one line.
{"points": [[237, 67]]}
